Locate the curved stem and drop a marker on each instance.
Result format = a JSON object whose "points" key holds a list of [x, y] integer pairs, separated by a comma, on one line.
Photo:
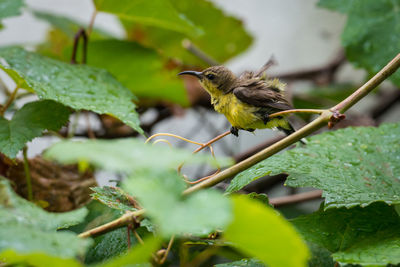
{"points": [[10, 100], [290, 111], [382, 75], [121, 221]]}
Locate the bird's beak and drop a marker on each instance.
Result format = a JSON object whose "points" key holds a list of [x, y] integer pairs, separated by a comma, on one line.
{"points": [[198, 74]]}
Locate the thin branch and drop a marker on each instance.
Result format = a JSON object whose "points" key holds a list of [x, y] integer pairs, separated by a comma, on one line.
{"points": [[296, 198], [189, 46], [80, 34], [290, 111], [166, 252], [27, 174], [313, 126], [384, 73], [121, 221], [10, 100], [91, 23]]}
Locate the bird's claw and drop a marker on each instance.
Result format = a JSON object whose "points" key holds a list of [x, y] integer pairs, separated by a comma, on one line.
{"points": [[235, 131]]}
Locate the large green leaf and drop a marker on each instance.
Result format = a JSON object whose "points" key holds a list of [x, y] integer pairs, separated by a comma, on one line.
{"points": [[372, 33], [354, 166], [125, 155], [366, 236], [161, 195], [160, 13], [29, 122], [36, 259], [261, 232], [10, 8], [140, 69], [77, 86], [26, 228], [224, 36]]}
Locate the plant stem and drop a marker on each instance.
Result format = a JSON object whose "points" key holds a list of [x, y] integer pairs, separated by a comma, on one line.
{"points": [[9, 101], [189, 46], [296, 198], [313, 126], [290, 111], [382, 75], [91, 23], [121, 221], [27, 174]]}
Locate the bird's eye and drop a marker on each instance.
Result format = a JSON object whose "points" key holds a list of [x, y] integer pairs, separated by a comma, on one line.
{"points": [[210, 76]]}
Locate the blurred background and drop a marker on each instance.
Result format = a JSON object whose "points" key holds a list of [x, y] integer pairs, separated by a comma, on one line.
{"points": [[304, 39]]}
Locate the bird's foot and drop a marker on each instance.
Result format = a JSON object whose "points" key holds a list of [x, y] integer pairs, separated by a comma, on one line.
{"points": [[265, 118], [235, 131]]}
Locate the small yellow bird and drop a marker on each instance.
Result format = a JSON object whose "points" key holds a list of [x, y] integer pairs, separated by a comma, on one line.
{"points": [[247, 100]]}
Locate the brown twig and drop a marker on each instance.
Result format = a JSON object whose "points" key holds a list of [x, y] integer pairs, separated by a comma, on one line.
{"points": [[80, 34], [189, 46], [91, 23], [296, 198], [9, 101]]}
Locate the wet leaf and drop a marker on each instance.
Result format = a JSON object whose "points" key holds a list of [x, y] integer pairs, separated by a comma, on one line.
{"points": [[367, 236], [353, 166], [29, 122], [76, 86]]}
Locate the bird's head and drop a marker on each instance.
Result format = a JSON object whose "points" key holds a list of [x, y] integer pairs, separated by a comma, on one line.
{"points": [[216, 80]]}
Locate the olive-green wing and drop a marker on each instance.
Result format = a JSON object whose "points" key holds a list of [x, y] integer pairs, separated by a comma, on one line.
{"points": [[261, 96]]}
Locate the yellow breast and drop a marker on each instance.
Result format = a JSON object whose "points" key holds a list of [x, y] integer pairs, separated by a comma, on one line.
{"points": [[242, 115]]}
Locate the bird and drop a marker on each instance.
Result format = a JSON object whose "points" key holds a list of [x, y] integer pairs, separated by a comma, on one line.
{"points": [[246, 100]]}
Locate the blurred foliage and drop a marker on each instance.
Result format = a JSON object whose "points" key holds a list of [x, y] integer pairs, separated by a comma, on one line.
{"points": [[10, 8], [372, 33]]}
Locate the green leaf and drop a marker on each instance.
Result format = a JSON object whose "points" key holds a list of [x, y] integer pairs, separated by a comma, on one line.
{"points": [[242, 263], [261, 232], [77, 86], [160, 13], [262, 198], [366, 236], [29, 122], [372, 33], [10, 8], [36, 259], [109, 245], [125, 155], [138, 255], [224, 36], [113, 197], [354, 166], [138, 68], [26, 228], [321, 257], [161, 195]]}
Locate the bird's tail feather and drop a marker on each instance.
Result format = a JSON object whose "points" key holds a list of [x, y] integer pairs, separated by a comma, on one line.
{"points": [[289, 130]]}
